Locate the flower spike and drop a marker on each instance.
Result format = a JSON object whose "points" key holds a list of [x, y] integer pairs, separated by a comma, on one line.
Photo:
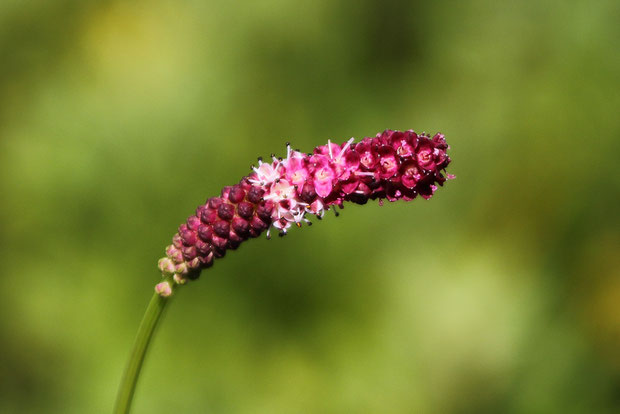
{"points": [[393, 165]]}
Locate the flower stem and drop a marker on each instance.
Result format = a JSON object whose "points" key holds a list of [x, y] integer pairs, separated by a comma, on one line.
{"points": [[143, 338]]}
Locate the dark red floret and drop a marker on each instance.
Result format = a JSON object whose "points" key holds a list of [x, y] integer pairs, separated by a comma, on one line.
{"points": [[240, 226], [264, 211], [205, 233], [214, 202], [234, 240], [424, 155], [221, 228], [188, 236], [258, 225], [226, 211], [308, 194], [208, 215], [202, 247], [245, 209], [219, 242], [255, 194], [237, 194], [388, 163], [193, 222]]}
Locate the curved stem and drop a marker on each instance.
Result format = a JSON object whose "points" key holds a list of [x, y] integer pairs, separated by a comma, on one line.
{"points": [[143, 338]]}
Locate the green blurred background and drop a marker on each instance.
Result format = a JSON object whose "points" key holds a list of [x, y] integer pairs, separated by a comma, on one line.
{"points": [[500, 295]]}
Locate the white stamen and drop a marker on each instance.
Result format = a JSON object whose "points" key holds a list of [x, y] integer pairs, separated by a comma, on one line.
{"points": [[256, 168], [346, 146], [329, 146]]}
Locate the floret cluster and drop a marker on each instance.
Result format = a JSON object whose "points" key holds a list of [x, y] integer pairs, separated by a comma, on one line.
{"points": [[283, 192]]}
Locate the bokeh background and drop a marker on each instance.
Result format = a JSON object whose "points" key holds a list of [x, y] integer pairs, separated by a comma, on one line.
{"points": [[500, 295]]}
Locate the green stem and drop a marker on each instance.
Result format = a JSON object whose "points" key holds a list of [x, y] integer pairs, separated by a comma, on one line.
{"points": [[143, 338]]}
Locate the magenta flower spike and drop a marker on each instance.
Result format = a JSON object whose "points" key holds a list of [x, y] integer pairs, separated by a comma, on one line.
{"points": [[278, 194], [281, 193]]}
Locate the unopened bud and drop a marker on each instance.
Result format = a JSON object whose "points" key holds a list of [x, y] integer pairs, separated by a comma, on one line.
{"points": [[179, 279], [166, 265], [163, 289], [181, 268]]}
